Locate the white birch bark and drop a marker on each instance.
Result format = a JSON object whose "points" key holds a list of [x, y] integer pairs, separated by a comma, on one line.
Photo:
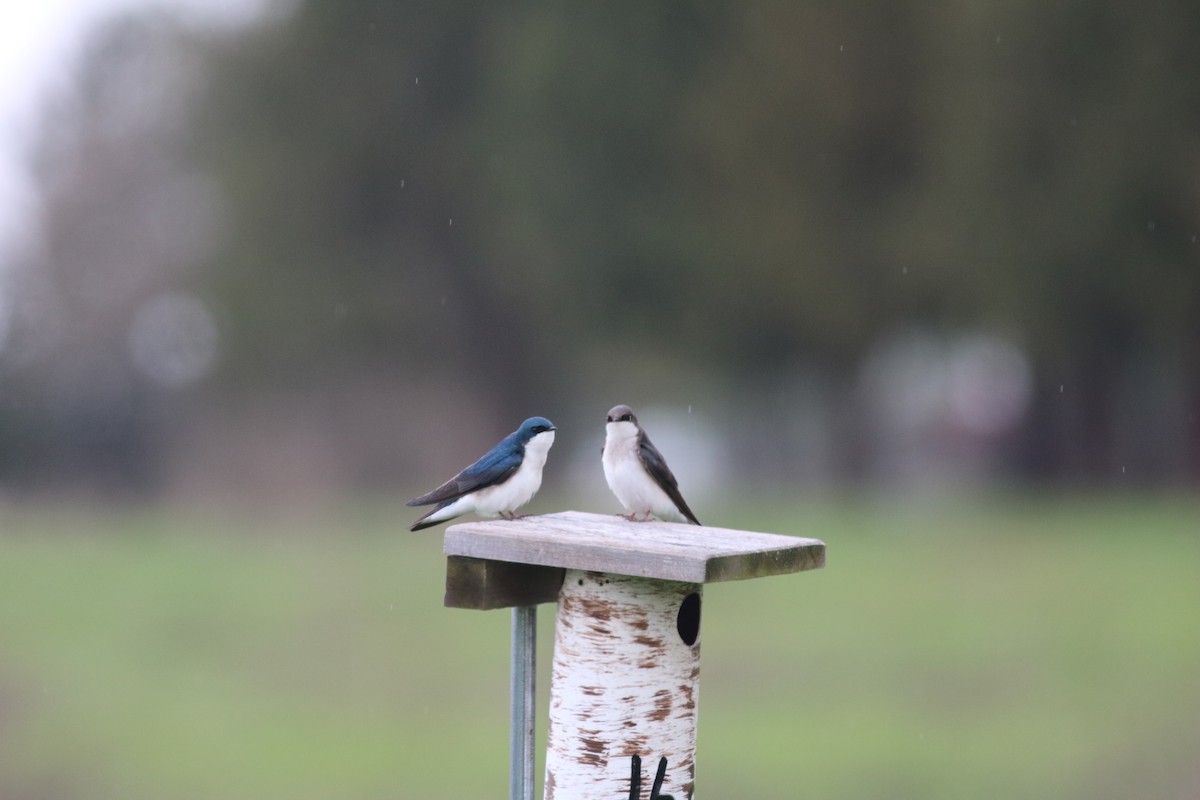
{"points": [[625, 682]]}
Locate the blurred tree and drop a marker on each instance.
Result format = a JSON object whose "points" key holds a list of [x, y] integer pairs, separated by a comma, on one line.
{"points": [[746, 187], [1055, 197], [124, 219], [530, 201]]}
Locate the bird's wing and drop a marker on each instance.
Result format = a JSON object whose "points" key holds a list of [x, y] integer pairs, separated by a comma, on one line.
{"points": [[656, 465], [494, 467]]}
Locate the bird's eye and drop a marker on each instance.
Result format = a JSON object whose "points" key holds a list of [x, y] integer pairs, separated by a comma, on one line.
{"points": [[627, 418], [539, 428]]}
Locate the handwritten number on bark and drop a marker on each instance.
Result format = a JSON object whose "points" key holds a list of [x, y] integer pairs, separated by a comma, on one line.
{"points": [[658, 782], [635, 780]]}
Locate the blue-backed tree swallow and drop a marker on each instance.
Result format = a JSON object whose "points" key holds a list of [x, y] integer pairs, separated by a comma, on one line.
{"points": [[638, 474], [504, 479]]}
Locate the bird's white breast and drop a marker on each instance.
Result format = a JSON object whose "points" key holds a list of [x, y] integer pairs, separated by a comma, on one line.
{"points": [[628, 479], [520, 488]]}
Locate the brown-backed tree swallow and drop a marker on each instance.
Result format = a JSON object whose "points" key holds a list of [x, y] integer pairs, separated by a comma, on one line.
{"points": [[638, 474]]}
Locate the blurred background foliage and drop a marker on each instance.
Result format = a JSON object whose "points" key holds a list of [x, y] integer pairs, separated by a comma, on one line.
{"points": [[909, 242], [289, 272]]}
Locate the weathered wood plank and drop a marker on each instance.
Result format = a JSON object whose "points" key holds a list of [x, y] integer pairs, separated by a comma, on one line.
{"points": [[482, 584], [609, 543]]}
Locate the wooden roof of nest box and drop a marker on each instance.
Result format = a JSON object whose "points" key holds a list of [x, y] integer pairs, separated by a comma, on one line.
{"points": [[503, 563]]}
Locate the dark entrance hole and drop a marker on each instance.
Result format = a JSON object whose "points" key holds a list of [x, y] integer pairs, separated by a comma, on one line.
{"points": [[687, 622]]}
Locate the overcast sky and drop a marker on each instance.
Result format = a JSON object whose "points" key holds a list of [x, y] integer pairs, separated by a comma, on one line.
{"points": [[39, 41]]}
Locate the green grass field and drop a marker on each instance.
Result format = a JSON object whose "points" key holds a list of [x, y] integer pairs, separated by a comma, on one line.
{"points": [[1016, 647]]}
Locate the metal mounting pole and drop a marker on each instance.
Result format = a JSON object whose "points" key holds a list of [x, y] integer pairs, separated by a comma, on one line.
{"points": [[524, 675]]}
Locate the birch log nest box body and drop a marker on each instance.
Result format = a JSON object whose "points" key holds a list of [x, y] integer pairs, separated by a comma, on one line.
{"points": [[625, 677]]}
